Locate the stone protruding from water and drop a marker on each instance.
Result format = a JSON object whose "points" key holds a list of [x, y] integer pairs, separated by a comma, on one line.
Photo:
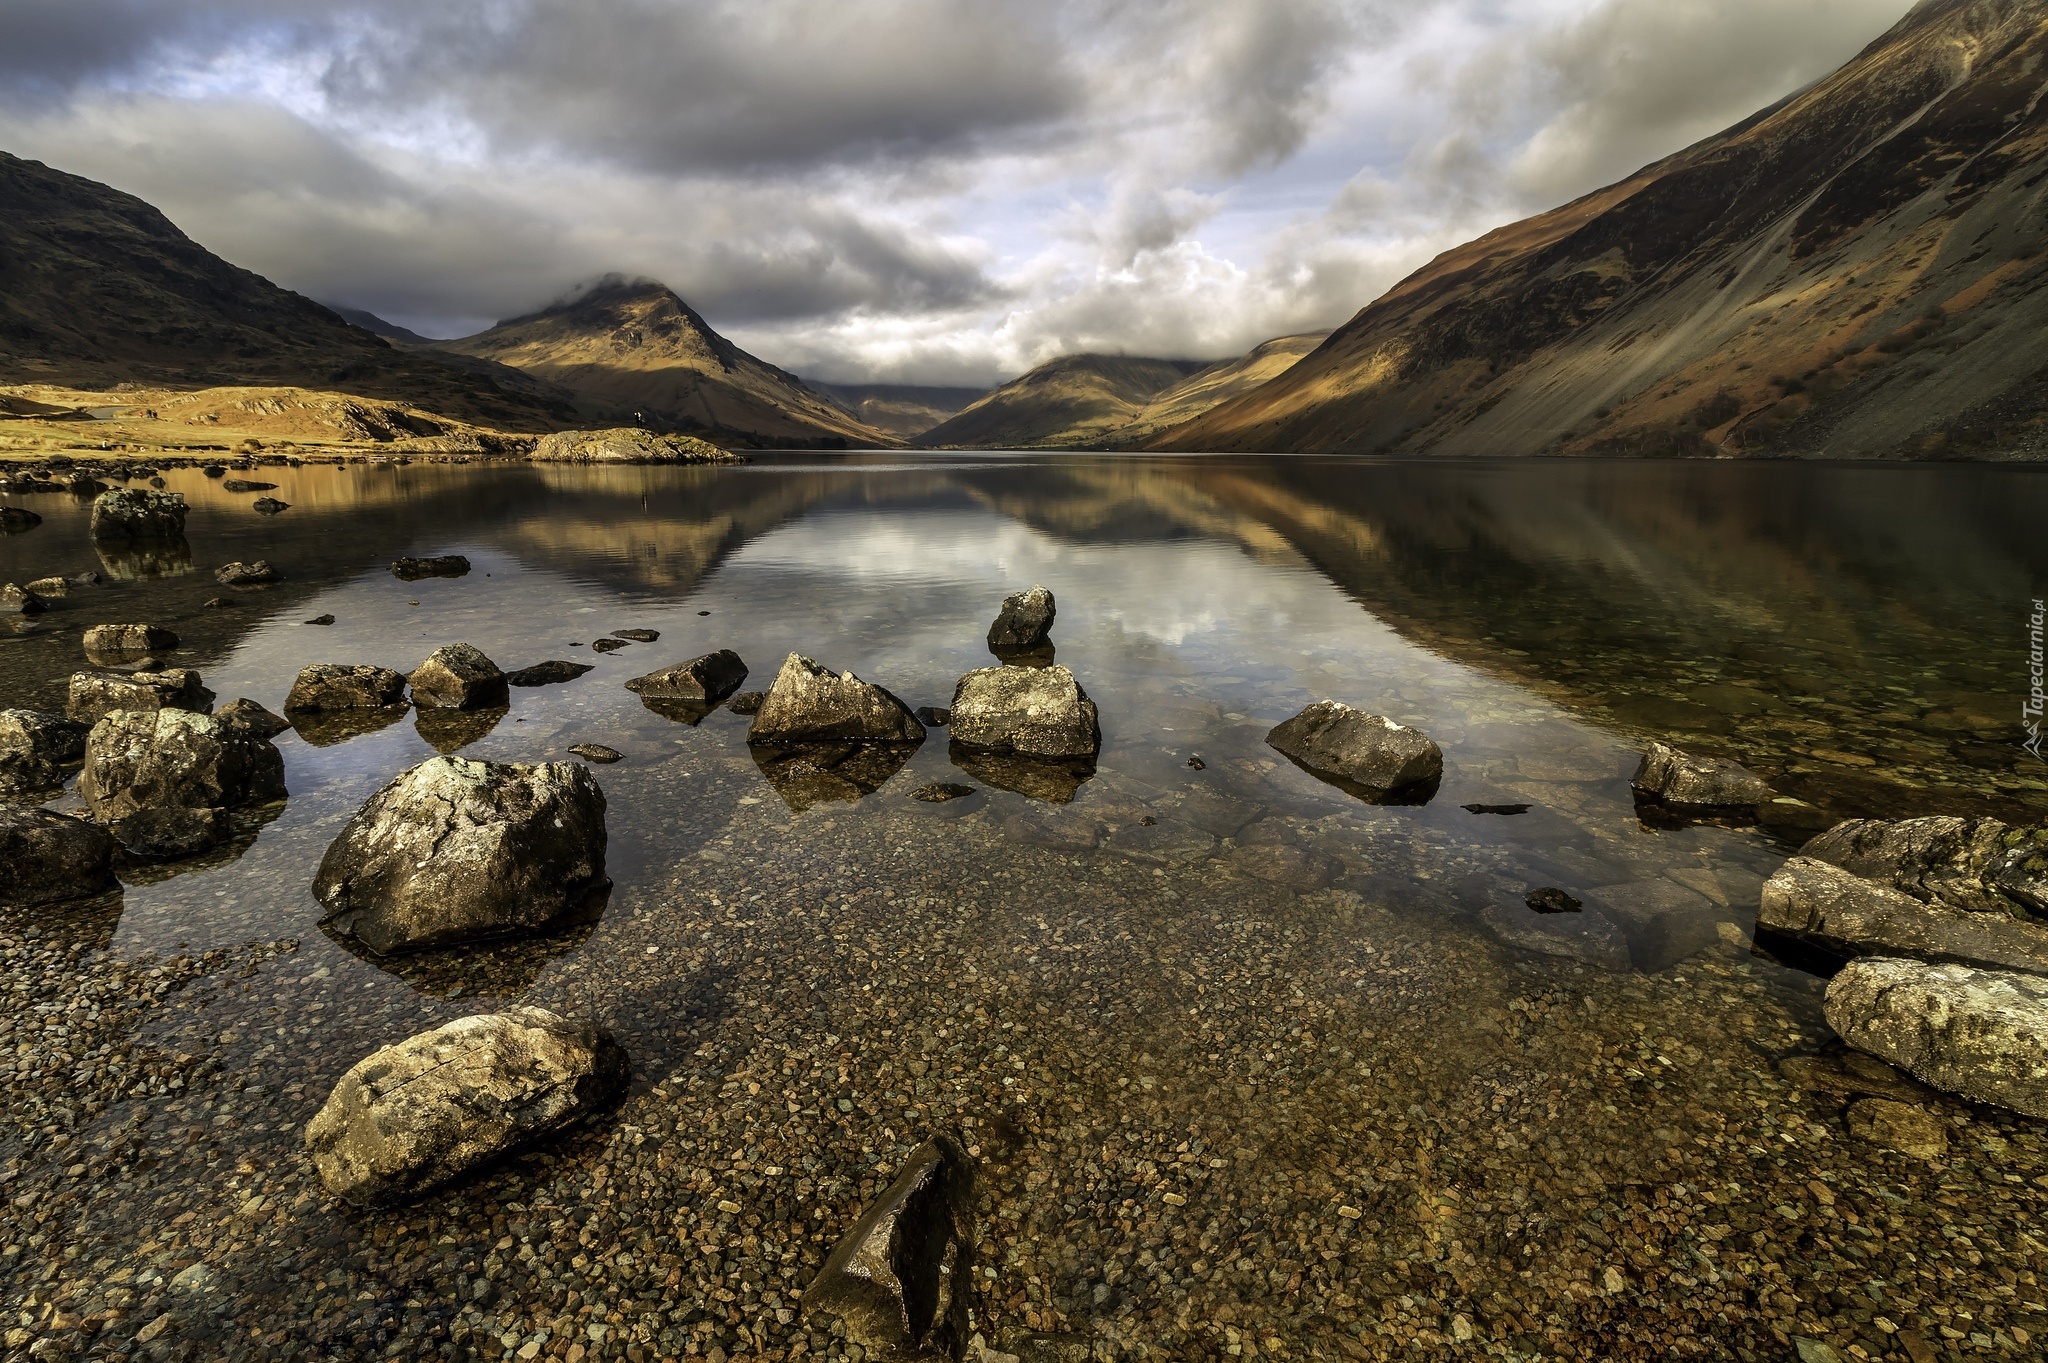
{"points": [[138, 514], [1674, 777], [1969, 865], [628, 445], [50, 857], [416, 1114], [344, 686], [1369, 751], [175, 759], [550, 673], [129, 639], [94, 695], [812, 704], [257, 573], [708, 680], [16, 599], [899, 1282], [456, 850], [1024, 625], [170, 833], [1822, 904], [1032, 711], [36, 749], [253, 719], [457, 677], [1979, 1033], [410, 569]]}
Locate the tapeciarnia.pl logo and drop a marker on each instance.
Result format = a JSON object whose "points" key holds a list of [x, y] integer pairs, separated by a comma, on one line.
{"points": [[2037, 697]]}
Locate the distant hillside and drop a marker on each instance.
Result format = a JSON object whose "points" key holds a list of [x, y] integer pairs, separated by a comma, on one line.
{"points": [[99, 288], [1217, 384], [1856, 271], [377, 326], [901, 409], [1074, 400], [632, 346]]}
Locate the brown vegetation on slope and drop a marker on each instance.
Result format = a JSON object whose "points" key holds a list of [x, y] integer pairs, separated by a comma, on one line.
{"points": [[1075, 400]]}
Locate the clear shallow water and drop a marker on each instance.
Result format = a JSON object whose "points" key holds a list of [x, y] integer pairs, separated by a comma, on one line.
{"points": [[1856, 634]]}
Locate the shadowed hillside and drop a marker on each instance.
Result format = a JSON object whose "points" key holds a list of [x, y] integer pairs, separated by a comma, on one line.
{"points": [[1074, 400]]}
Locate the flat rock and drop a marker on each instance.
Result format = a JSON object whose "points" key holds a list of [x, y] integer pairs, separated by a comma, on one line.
{"points": [[1024, 624], [1897, 1126], [1220, 815], [1167, 842], [1031, 711], [1061, 832], [610, 645], [324, 687], [252, 719], [269, 506], [1296, 868], [129, 639], [1591, 937], [1665, 921], [456, 851], [628, 445], [36, 749], [257, 573], [246, 485], [50, 857], [16, 519], [171, 833], [19, 600], [899, 1280], [138, 514], [1821, 903], [550, 673], [1972, 865], [440, 565], [50, 588], [1370, 752], [1674, 777], [93, 695], [457, 677], [596, 752], [638, 636], [1979, 1033], [175, 759], [706, 680], [414, 1115], [811, 704]]}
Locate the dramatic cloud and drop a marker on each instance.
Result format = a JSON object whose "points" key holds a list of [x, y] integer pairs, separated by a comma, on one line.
{"points": [[911, 190]]}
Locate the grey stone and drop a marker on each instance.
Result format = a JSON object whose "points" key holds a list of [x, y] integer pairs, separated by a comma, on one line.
{"points": [[1821, 903], [170, 833], [258, 573], [1167, 842], [596, 752], [156, 759], [456, 851], [416, 1114], [441, 565], [138, 514], [1665, 921], [811, 704], [1679, 778], [94, 695], [1024, 623], [1898, 1126], [129, 639], [548, 673], [1979, 1033], [1368, 751], [19, 600], [707, 680], [1031, 711], [344, 686], [899, 1282], [253, 719], [1972, 865], [35, 750], [1589, 936], [50, 857], [457, 677]]}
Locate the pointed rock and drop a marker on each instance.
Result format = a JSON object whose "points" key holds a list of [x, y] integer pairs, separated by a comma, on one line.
{"points": [[458, 677], [811, 704]]}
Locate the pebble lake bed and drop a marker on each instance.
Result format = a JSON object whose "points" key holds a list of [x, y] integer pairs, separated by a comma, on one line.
{"points": [[1246, 1065]]}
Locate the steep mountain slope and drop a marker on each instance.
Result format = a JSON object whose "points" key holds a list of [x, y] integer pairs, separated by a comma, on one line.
{"points": [[1074, 400], [377, 326], [1855, 271], [903, 409], [1216, 385], [632, 346], [99, 288]]}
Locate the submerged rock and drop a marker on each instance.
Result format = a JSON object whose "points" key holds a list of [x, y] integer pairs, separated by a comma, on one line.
{"points": [[549, 673], [1370, 752], [706, 680], [175, 759], [50, 857], [627, 445], [344, 686], [1898, 1126], [1024, 624], [138, 514], [597, 752], [1591, 937], [448, 731], [441, 565], [258, 573], [1551, 900], [1678, 778], [1053, 780], [171, 833], [1979, 1033], [810, 774], [1969, 865], [941, 792], [457, 851], [414, 1115], [36, 749], [129, 639], [1031, 711], [899, 1281], [94, 695], [811, 704], [1824, 905], [457, 677], [746, 703]]}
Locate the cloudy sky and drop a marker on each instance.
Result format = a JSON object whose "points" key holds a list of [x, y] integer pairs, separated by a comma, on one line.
{"points": [[922, 191]]}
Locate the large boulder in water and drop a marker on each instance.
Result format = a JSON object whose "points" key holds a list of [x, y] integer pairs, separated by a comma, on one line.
{"points": [[1980, 1033], [175, 759], [456, 851], [324, 687], [1032, 711], [1820, 903], [36, 749], [627, 445], [706, 680], [1024, 625], [1673, 777], [458, 677], [50, 857], [813, 704], [1969, 865], [414, 1115], [1367, 751], [94, 695], [118, 639], [138, 514]]}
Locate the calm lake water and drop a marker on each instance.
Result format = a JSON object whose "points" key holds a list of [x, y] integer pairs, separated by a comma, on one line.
{"points": [[1205, 966]]}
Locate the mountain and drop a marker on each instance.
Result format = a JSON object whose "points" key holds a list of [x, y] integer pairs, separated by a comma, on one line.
{"points": [[1855, 271], [626, 346], [377, 326], [901, 409], [1217, 384], [1074, 400], [98, 288]]}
